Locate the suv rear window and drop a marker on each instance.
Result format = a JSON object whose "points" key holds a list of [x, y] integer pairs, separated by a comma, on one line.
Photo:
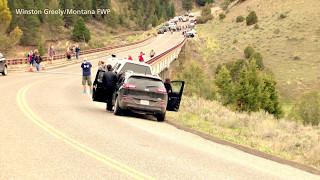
{"points": [[136, 68], [144, 82]]}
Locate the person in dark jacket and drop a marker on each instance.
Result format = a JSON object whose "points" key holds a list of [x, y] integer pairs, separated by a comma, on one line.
{"points": [[167, 85], [37, 60], [109, 82]]}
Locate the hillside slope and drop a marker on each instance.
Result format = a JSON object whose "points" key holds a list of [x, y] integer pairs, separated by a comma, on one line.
{"points": [[290, 45]]}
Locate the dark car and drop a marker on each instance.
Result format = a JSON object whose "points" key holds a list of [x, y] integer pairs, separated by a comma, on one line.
{"points": [[3, 65], [145, 94]]}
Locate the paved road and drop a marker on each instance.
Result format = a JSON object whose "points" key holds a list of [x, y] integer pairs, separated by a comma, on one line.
{"points": [[50, 130]]}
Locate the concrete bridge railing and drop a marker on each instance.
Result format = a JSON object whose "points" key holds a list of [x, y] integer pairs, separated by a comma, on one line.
{"points": [[162, 61]]}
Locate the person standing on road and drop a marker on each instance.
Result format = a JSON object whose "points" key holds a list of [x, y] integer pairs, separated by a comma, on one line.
{"points": [[51, 53], [152, 53], [86, 75], [167, 85], [130, 58], [109, 82], [77, 50], [37, 60], [141, 59]]}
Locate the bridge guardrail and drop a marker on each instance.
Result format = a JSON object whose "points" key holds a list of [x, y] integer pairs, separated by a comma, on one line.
{"points": [[159, 62], [19, 61]]}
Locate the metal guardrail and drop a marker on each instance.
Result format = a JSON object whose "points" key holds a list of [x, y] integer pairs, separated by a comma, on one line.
{"points": [[63, 56], [161, 61]]}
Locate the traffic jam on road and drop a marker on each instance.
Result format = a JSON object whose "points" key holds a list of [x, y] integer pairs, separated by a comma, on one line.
{"points": [[184, 24]]}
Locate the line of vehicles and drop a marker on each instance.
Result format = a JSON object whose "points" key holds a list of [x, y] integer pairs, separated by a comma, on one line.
{"points": [[140, 91], [3, 65], [185, 23]]}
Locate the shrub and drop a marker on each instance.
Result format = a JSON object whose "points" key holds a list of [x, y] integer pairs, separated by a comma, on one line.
{"points": [[252, 18], [283, 16], [256, 26], [225, 85], [308, 109], [222, 16], [248, 52], [257, 57], [240, 19]]}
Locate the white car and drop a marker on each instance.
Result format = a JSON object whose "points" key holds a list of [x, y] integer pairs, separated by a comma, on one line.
{"points": [[172, 26], [192, 33]]}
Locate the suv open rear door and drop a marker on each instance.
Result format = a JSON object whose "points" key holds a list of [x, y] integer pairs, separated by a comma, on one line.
{"points": [[98, 90], [174, 97]]}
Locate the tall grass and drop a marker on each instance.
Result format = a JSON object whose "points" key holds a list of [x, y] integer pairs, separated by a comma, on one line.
{"points": [[283, 138]]}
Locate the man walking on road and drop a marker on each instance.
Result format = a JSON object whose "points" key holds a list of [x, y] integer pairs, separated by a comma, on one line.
{"points": [[109, 81], [86, 75]]}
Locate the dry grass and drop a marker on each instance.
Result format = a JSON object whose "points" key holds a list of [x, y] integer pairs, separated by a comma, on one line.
{"points": [[283, 138], [290, 46]]}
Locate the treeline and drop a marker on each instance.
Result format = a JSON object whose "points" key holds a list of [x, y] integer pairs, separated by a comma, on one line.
{"points": [[133, 14], [188, 4]]}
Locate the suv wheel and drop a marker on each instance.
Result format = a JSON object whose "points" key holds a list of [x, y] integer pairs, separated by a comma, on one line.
{"points": [[117, 109], [161, 117], [5, 71]]}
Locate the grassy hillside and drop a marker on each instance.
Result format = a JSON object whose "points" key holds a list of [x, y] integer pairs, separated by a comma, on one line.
{"points": [[290, 44]]}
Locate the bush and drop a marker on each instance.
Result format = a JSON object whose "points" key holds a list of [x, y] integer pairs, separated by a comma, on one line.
{"points": [[258, 59], [308, 109], [205, 15], [80, 31], [240, 19], [282, 16], [248, 52], [252, 18], [222, 16]]}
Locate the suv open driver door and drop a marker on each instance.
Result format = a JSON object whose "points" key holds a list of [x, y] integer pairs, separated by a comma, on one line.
{"points": [[98, 90], [174, 97]]}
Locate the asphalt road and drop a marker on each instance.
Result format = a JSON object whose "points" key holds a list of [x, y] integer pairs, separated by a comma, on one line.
{"points": [[49, 129]]}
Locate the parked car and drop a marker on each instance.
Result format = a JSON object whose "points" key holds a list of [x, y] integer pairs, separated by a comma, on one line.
{"points": [[191, 33], [3, 65], [172, 26], [161, 31], [146, 94]]}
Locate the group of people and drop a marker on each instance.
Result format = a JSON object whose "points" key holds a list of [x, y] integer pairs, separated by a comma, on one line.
{"points": [[34, 59], [141, 56], [74, 49]]}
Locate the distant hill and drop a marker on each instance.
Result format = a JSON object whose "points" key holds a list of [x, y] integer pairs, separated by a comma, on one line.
{"points": [[287, 34]]}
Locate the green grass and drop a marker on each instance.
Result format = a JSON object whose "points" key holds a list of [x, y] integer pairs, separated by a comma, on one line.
{"points": [[283, 138]]}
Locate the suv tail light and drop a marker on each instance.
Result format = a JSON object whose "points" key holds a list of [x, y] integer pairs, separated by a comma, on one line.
{"points": [[161, 90], [129, 86]]}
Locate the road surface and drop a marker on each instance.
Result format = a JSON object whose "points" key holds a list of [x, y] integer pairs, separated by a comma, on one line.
{"points": [[49, 129]]}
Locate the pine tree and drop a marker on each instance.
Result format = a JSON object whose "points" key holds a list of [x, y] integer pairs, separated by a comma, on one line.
{"points": [[80, 31], [187, 4], [68, 18], [55, 22], [225, 85], [249, 89]]}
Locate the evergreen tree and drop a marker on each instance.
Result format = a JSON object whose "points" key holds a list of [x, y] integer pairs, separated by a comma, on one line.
{"points": [[187, 4], [249, 89], [68, 18], [269, 97], [80, 31], [55, 22], [225, 85], [39, 5]]}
